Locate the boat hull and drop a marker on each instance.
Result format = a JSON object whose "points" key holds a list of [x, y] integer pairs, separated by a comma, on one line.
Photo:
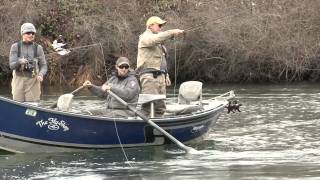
{"points": [[31, 129]]}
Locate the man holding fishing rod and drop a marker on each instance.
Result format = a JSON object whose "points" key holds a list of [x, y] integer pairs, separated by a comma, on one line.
{"points": [[152, 61], [27, 60]]}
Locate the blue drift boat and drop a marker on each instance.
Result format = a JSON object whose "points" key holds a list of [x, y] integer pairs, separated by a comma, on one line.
{"points": [[27, 128]]}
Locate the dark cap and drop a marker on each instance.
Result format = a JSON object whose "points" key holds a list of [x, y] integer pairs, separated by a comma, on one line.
{"points": [[122, 60]]}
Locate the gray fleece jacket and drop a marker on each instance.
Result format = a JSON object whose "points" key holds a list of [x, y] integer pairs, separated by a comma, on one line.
{"points": [[127, 88], [27, 51]]}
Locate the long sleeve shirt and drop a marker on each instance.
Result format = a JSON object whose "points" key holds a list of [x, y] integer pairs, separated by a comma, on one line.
{"points": [[27, 51]]}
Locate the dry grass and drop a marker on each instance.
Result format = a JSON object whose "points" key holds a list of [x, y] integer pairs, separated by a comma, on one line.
{"points": [[227, 41]]}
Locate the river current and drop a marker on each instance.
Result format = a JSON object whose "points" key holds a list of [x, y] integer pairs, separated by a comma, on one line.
{"points": [[276, 136]]}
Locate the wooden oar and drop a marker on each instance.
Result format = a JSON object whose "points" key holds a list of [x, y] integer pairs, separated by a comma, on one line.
{"points": [[66, 95], [142, 116]]}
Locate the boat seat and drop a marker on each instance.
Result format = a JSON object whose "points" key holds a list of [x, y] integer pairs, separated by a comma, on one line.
{"points": [[190, 91], [189, 99], [150, 98], [179, 109]]}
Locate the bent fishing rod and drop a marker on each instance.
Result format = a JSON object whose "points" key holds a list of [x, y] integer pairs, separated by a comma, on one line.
{"points": [[200, 25]]}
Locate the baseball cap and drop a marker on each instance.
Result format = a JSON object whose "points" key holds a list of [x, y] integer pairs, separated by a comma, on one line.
{"points": [[122, 60], [155, 20]]}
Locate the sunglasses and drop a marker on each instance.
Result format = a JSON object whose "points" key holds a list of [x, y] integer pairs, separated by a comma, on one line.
{"points": [[123, 66], [30, 33]]}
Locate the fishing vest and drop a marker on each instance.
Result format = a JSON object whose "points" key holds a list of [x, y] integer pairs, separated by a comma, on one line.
{"points": [[32, 65], [35, 49]]}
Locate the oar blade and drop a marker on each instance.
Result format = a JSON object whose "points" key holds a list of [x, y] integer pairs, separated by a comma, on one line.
{"points": [[64, 102]]}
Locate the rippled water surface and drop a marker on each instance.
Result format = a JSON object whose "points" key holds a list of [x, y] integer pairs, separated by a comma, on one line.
{"points": [[276, 136]]}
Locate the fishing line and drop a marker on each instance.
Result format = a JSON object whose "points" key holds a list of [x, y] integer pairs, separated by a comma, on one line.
{"points": [[200, 25], [104, 61], [117, 133], [122, 148], [175, 69], [112, 113]]}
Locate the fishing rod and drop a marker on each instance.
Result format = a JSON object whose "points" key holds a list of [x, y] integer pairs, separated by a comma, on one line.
{"points": [[76, 48], [200, 25]]}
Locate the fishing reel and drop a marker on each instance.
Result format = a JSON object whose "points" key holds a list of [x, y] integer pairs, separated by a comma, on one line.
{"points": [[233, 106], [29, 66]]}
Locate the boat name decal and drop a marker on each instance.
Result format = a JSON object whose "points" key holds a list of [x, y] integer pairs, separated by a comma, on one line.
{"points": [[197, 128], [53, 124]]}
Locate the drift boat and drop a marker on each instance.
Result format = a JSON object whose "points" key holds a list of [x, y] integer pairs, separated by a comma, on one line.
{"points": [[27, 128]]}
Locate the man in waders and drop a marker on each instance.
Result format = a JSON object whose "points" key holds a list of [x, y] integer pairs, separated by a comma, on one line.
{"points": [[29, 66], [152, 61]]}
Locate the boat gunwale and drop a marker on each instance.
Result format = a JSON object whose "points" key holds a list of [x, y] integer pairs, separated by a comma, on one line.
{"points": [[167, 119]]}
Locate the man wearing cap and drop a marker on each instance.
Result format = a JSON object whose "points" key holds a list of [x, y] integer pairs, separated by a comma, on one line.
{"points": [[152, 61], [124, 84], [29, 66]]}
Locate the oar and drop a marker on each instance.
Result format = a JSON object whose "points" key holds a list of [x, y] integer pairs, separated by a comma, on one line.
{"points": [[142, 116], [69, 95]]}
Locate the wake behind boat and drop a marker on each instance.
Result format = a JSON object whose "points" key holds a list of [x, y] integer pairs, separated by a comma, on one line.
{"points": [[27, 128]]}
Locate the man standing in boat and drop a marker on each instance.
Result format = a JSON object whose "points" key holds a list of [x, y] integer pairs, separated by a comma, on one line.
{"points": [[152, 61], [27, 60], [124, 84]]}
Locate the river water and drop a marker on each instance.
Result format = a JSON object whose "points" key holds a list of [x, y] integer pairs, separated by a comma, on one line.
{"points": [[276, 136]]}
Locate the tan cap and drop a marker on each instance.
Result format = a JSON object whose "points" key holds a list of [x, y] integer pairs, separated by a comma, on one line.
{"points": [[155, 20], [122, 60]]}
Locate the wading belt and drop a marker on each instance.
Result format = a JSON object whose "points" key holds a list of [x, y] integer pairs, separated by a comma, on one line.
{"points": [[155, 73]]}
